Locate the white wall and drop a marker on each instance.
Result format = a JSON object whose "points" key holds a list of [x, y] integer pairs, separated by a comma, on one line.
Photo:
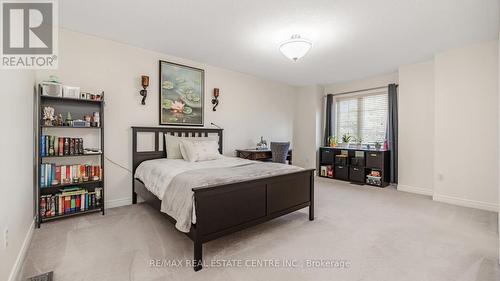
{"points": [[16, 177], [308, 125], [416, 128], [466, 126], [249, 107]]}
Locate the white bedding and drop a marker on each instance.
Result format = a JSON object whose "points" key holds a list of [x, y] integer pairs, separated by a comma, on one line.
{"points": [[171, 180], [158, 173]]}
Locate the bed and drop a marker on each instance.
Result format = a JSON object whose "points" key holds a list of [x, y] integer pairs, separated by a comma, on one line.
{"points": [[219, 208]]}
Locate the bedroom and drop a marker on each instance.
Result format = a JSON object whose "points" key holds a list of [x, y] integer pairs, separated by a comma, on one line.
{"points": [[439, 222]]}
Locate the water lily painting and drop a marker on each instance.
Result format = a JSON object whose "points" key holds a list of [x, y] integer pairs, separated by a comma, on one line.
{"points": [[181, 94]]}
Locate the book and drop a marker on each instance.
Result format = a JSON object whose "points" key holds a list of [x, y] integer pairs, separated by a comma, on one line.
{"points": [[82, 202], [61, 146], [46, 146], [61, 205], [52, 205], [43, 203], [42, 175], [55, 145], [48, 174], [68, 173], [66, 146], [51, 145], [63, 173], [42, 145], [81, 146], [71, 146], [67, 204], [58, 174], [53, 175]]}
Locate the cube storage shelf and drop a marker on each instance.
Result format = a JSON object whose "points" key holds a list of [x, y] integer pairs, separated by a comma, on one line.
{"points": [[355, 165]]}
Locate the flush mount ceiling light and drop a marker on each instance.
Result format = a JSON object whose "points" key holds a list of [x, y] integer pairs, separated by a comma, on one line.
{"points": [[296, 47]]}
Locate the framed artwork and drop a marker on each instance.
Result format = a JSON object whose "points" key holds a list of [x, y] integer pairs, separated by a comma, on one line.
{"points": [[181, 94]]}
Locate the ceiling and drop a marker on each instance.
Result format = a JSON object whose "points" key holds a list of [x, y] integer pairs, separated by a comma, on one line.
{"points": [[352, 39]]}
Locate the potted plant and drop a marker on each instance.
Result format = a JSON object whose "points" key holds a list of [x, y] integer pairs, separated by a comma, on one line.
{"points": [[359, 142], [332, 141], [346, 138]]}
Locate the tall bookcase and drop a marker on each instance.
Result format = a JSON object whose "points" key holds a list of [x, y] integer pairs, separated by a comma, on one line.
{"points": [[95, 135]]}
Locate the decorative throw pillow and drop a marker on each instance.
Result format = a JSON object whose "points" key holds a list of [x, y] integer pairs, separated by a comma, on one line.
{"points": [[173, 142], [199, 150]]}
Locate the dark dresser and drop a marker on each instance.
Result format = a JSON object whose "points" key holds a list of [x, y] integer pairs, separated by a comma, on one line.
{"points": [[356, 165]]}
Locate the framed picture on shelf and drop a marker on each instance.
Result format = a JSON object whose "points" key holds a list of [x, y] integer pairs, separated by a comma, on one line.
{"points": [[181, 94]]}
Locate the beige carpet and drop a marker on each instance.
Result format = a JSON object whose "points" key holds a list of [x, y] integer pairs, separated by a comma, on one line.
{"points": [[382, 234]]}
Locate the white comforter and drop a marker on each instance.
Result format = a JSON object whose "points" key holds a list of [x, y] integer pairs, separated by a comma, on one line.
{"points": [[172, 180]]}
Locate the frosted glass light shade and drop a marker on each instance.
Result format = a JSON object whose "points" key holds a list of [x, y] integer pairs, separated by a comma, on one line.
{"points": [[295, 48]]}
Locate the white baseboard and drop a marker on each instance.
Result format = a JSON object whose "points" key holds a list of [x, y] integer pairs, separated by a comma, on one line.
{"points": [[16, 269], [466, 202], [414, 189], [118, 202]]}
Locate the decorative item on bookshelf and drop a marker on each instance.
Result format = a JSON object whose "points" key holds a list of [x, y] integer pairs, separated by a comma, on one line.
{"points": [[71, 92], [48, 115], [51, 88]]}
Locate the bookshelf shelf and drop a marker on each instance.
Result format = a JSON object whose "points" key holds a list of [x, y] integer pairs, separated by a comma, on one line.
{"points": [[69, 156], [77, 164], [69, 99], [57, 188], [71, 214], [71, 184], [69, 127]]}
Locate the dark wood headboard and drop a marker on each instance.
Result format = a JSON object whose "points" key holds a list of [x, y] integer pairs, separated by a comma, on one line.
{"points": [[139, 156]]}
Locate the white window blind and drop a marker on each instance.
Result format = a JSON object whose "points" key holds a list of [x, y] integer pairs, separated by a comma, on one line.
{"points": [[362, 116]]}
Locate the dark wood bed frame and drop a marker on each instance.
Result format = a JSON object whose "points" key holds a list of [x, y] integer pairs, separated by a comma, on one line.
{"points": [[227, 208]]}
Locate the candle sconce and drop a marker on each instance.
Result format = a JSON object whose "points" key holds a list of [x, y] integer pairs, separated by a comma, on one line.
{"points": [[144, 92], [215, 100]]}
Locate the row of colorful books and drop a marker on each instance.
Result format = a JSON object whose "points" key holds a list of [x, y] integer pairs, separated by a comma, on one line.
{"points": [[70, 201], [52, 175], [60, 146]]}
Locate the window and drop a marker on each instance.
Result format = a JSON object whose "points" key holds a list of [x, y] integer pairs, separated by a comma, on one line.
{"points": [[362, 116]]}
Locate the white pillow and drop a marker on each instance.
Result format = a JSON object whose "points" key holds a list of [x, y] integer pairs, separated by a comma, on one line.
{"points": [[172, 144], [199, 150]]}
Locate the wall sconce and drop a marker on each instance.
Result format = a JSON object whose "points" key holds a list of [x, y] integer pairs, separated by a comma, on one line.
{"points": [[215, 100], [144, 92]]}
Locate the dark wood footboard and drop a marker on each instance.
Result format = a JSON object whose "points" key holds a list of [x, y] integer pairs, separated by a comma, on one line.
{"points": [[224, 209], [227, 208]]}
